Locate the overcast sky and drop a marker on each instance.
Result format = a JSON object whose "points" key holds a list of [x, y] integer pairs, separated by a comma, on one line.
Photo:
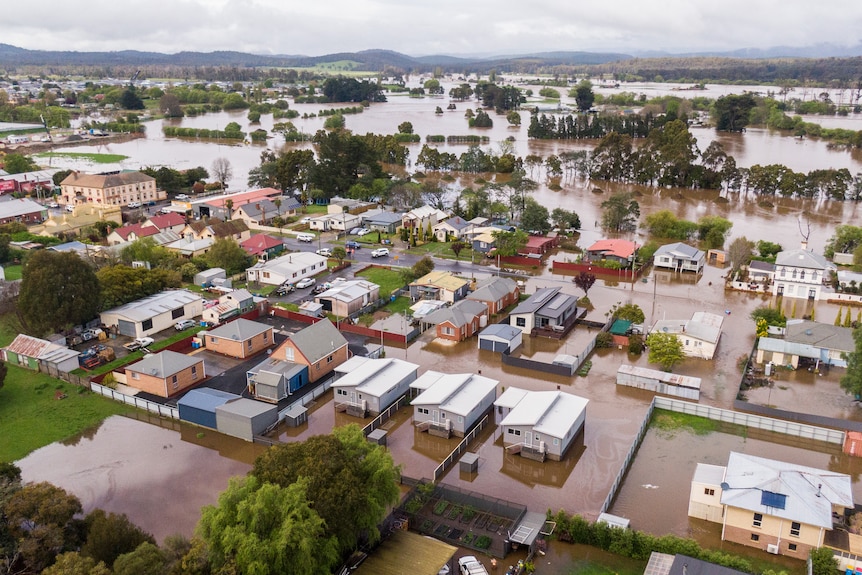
{"points": [[422, 27]]}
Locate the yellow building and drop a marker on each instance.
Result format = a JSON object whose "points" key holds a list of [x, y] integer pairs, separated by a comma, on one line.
{"points": [[118, 189], [779, 507]]}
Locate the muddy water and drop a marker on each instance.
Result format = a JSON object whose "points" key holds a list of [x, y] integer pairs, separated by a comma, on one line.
{"points": [[157, 472]]}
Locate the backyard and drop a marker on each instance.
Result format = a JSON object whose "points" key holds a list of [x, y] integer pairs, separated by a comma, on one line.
{"points": [[389, 280]]}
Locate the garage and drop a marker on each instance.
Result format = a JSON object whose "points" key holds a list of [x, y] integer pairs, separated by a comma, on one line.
{"points": [[126, 328], [245, 418], [500, 338], [199, 405]]}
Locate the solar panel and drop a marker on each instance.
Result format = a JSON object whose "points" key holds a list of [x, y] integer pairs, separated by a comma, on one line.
{"points": [[770, 499]]}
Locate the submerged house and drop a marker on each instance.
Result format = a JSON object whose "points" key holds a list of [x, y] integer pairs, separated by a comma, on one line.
{"points": [[370, 386], [451, 403]]}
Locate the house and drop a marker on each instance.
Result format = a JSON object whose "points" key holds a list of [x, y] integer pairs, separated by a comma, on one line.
{"points": [[22, 210], [214, 228], [27, 182], [320, 346], [540, 245], [679, 257], [483, 243], [847, 278], [451, 403], [230, 304], [321, 223], [154, 313], [130, 233], [263, 246], [198, 406], [548, 308], [189, 247], [800, 274], [289, 207], [210, 277], [112, 189], [496, 292], [419, 218], [665, 564], [540, 424], [240, 338], [439, 285], [779, 507], [699, 335], [373, 385], [224, 206], [166, 373], [382, 221], [620, 251], [348, 297], [807, 343], [453, 228], [257, 213], [287, 268], [31, 352], [761, 272], [500, 338], [460, 321], [169, 222]]}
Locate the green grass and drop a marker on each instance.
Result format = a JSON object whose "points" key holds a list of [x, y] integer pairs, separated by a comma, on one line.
{"points": [[91, 156], [287, 306], [13, 272], [671, 421], [442, 250], [400, 305], [10, 327], [31, 417], [388, 280]]}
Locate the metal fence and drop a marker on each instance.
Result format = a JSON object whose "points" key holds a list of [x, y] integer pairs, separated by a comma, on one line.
{"points": [[140, 403], [385, 415], [462, 447], [618, 480]]}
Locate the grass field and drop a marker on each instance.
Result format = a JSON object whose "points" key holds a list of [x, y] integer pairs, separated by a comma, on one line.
{"points": [[400, 305], [388, 280], [12, 272], [442, 250], [93, 157], [32, 417]]}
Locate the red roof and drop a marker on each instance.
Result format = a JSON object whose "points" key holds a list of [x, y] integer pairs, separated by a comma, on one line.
{"points": [[619, 248], [139, 230], [242, 198], [169, 220], [258, 244]]}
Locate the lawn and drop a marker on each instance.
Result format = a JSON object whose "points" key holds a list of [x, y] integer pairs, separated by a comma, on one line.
{"points": [[442, 250], [400, 305], [12, 272], [388, 280], [91, 156], [31, 417], [10, 327]]}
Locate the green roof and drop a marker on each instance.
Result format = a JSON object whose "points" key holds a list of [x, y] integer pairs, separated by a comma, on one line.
{"points": [[620, 327]]}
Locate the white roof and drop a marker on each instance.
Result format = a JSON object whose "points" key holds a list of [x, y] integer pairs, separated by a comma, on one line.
{"points": [[800, 258], [20, 207], [458, 393], [151, 306], [551, 413], [287, 264], [709, 474], [785, 490], [703, 325], [511, 397], [377, 376], [349, 291], [351, 364]]}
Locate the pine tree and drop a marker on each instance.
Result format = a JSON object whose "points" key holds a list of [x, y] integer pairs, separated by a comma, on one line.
{"points": [[838, 317], [848, 319]]}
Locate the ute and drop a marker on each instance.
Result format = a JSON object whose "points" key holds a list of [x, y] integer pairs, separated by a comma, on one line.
{"points": [[469, 565]]}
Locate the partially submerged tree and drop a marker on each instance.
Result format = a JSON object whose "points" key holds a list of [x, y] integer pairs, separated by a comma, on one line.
{"points": [[621, 213], [851, 381], [740, 252], [585, 281], [665, 349]]}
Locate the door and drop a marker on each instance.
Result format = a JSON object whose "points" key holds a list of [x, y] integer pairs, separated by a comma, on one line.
{"points": [[126, 328], [811, 294], [528, 439], [435, 416], [353, 397]]}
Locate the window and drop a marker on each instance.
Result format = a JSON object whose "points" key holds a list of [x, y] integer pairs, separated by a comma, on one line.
{"points": [[521, 322], [178, 313], [708, 491], [214, 340], [329, 359], [249, 344], [174, 381], [793, 275], [340, 392], [147, 325], [194, 372], [265, 336], [288, 353], [755, 537], [795, 528], [423, 410], [791, 547], [556, 441], [135, 375], [758, 520], [802, 274]]}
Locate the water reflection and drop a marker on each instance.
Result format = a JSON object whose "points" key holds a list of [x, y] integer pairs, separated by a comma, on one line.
{"points": [[549, 473]]}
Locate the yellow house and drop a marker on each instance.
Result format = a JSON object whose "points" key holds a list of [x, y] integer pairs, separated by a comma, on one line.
{"points": [[779, 507]]}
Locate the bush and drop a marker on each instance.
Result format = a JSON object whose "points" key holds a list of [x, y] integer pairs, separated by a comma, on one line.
{"points": [[604, 340], [636, 343]]}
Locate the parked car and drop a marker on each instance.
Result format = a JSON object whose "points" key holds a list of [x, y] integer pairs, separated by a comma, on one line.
{"points": [[134, 204], [285, 289], [380, 252], [184, 324], [305, 283], [139, 343], [305, 237], [325, 252], [363, 231], [70, 208], [53, 205], [354, 231], [351, 245], [319, 289], [182, 196], [305, 221]]}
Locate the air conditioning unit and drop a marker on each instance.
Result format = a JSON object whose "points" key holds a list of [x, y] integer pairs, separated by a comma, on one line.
{"points": [[771, 548]]}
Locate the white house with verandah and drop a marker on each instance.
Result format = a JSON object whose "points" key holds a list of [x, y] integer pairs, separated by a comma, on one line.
{"points": [[540, 424], [371, 386], [451, 403]]}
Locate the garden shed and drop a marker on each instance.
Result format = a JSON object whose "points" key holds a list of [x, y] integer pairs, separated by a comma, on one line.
{"points": [[206, 278], [198, 406], [245, 418]]}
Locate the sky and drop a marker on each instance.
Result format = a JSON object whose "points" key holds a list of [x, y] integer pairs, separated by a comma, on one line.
{"points": [[422, 27]]}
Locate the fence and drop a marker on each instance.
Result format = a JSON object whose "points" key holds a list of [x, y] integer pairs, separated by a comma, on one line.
{"points": [[453, 457], [348, 327], [622, 273], [65, 376], [140, 403], [304, 401], [552, 368], [618, 480], [385, 415]]}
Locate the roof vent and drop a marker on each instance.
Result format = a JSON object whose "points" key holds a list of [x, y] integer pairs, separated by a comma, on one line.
{"points": [[808, 332]]}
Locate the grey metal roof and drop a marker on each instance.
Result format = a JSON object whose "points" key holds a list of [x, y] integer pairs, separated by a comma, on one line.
{"points": [[459, 314], [787, 347], [164, 364], [318, 340], [239, 330], [558, 305], [206, 398], [820, 335], [151, 306], [385, 218], [20, 207], [247, 407], [681, 251], [493, 289], [536, 301], [684, 565], [802, 259], [501, 330], [761, 266]]}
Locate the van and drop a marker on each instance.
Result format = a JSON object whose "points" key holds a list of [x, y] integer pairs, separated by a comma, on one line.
{"points": [[305, 237]]}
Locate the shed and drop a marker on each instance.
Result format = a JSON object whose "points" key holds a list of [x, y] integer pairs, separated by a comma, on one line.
{"points": [[614, 520], [294, 414], [199, 405], [245, 418], [620, 327], [206, 277], [659, 381], [500, 338], [565, 360]]}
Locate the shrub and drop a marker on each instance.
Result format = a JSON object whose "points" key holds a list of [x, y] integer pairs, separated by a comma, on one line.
{"points": [[604, 339], [636, 343]]}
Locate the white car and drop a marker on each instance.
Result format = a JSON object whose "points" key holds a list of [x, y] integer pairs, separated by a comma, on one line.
{"points": [[305, 237], [134, 204], [380, 252], [325, 252], [305, 283], [363, 231], [70, 208], [182, 196], [305, 221], [53, 205], [184, 324]]}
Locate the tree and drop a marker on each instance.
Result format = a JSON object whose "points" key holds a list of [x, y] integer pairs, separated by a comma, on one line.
{"points": [[565, 219], [58, 290], [731, 113], [713, 230], [740, 251], [222, 171], [262, 528], [514, 118], [509, 243], [823, 561], [585, 281], [665, 349], [768, 249], [457, 246], [73, 563], [351, 493], [621, 213], [120, 284], [339, 253], [110, 535], [629, 312], [130, 100], [146, 559], [423, 267], [583, 94], [846, 240], [228, 255], [773, 316], [18, 164], [534, 217], [170, 106], [405, 127], [851, 381]]}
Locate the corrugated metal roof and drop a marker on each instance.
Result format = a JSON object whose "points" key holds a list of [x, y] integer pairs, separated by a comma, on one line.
{"points": [[247, 407], [377, 376], [151, 306], [206, 398], [164, 364], [548, 412], [318, 340], [239, 330], [501, 330]]}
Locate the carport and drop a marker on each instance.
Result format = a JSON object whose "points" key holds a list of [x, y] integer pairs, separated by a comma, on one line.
{"points": [[406, 552]]}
